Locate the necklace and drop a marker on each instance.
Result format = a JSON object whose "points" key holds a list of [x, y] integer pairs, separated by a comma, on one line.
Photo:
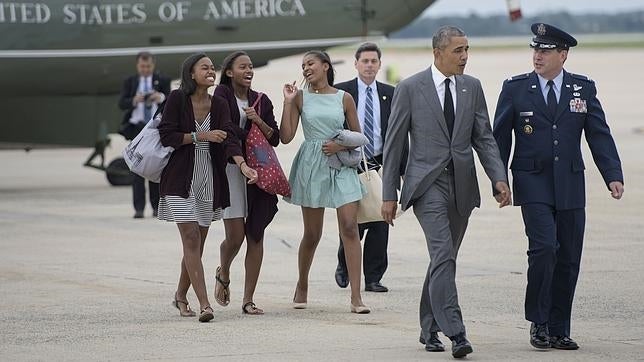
{"points": [[318, 90]]}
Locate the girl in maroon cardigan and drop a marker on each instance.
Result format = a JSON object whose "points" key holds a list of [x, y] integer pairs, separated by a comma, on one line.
{"points": [[251, 208], [194, 188]]}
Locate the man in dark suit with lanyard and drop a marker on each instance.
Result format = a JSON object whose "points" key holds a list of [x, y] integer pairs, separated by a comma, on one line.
{"points": [[547, 110], [373, 101], [140, 97]]}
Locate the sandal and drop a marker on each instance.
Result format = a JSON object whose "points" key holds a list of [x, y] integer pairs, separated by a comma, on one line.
{"points": [[188, 312], [226, 291], [206, 315], [251, 308]]}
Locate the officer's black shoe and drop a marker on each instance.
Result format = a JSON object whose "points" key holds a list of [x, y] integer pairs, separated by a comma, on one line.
{"points": [[341, 277], [563, 342], [138, 215], [433, 344], [539, 335], [461, 347], [375, 287]]}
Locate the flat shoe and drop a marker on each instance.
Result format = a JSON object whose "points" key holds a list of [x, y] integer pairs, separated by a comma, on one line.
{"points": [[360, 309], [461, 347], [341, 278], [375, 287], [539, 336], [298, 305], [206, 315], [222, 302], [251, 308], [563, 342], [433, 344]]}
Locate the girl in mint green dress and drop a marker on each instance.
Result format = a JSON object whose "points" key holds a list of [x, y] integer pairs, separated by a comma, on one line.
{"points": [[313, 182], [315, 185]]}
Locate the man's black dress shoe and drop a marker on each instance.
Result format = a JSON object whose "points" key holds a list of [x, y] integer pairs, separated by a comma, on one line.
{"points": [[563, 342], [138, 215], [539, 335], [341, 278], [375, 287], [434, 344], [461, 347]]}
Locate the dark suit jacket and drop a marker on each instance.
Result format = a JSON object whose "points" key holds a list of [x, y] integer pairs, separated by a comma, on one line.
{"points": [[385, 95], [128, 91], [177, 120], [262, 206], [547, 165]]}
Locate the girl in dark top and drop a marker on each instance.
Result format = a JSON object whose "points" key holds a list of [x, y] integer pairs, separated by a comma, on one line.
{"points": [[193, 186], [251, 208]]}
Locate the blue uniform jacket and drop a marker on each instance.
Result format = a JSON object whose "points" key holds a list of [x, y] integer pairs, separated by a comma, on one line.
{"points": [[547, 165]]}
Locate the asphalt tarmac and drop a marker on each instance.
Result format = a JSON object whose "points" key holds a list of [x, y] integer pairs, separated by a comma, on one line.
{"points": [[81, 280]]}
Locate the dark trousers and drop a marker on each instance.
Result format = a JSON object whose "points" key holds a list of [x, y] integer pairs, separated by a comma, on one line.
{"points": [[138, 193], [374, 256], [555, 241]]}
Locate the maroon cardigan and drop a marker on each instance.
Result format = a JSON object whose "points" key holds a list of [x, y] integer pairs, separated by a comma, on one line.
{"points": [[262, 206], [178, 119]]}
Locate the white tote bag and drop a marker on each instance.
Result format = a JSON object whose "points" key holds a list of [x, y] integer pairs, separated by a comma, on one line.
{"points": [[369, 207], [145, 155]]}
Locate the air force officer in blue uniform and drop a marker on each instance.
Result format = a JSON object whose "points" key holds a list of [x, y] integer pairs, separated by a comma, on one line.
{"points": [[547, 110]]}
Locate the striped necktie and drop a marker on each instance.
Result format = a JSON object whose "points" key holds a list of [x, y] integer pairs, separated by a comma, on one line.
{"points": [[147, 108], [368, 124]]}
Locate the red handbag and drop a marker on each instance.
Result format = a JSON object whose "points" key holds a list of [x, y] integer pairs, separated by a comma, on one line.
{"points": [[261, 156]]}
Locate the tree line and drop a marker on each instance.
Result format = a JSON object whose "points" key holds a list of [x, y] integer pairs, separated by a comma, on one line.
{"points": [[500, 25]]}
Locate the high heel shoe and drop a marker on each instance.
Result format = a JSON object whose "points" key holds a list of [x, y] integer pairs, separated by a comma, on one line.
{"points": [[360, 309], [188, 312], [298, 305]]}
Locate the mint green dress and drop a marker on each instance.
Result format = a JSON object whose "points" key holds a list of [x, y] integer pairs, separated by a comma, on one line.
{"points": [[313, 183]]}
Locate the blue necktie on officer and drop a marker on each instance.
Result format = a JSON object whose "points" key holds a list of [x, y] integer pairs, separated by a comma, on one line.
{"points": [[552, 99], [368, 124], [147, 108]]}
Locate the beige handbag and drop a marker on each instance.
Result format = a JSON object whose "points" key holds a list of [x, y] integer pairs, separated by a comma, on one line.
{"points": [[370, 205]]}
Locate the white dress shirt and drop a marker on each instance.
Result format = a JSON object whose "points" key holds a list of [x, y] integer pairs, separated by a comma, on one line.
{"points": [[145, 87], [439, 83], [362, 99]]}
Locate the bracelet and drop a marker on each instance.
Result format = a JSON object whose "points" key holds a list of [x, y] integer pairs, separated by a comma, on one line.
{"points": [[193, 135], [241, 163]]}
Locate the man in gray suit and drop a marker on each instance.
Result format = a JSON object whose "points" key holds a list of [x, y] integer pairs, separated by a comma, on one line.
{"points": [[445, 115]]}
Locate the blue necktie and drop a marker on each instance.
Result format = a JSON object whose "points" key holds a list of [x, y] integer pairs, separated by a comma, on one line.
{"points": [[147, 109], [368, 124], [552, 99]]}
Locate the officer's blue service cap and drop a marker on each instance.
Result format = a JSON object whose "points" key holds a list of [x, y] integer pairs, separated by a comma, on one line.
{"points": [[551, 37]]}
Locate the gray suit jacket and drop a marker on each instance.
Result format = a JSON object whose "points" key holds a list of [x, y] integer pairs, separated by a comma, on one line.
{"points": [[417, 112]]}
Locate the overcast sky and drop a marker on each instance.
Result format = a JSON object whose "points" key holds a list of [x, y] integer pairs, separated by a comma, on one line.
{"points": [[531, 7]]}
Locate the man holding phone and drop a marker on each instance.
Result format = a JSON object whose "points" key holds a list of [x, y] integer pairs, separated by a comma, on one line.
{"points": [[141, 95]]}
